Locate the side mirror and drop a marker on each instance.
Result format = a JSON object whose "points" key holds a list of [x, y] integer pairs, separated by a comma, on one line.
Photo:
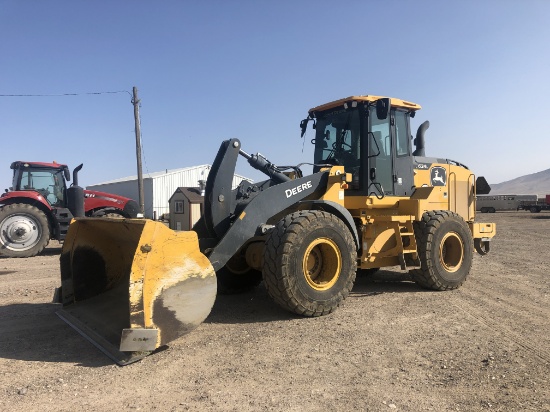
{"points": [[303, 125], [383, 107], [67, 174]]}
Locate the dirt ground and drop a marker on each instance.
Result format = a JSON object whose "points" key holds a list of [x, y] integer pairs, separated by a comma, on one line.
{"points": [[390, 346]]}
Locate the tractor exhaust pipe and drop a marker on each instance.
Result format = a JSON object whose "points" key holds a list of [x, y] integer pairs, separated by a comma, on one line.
{"points": [[75, 195]]}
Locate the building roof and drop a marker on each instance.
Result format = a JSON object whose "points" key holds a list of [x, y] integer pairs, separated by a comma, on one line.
{"points": [[153, 174], [166, 172], [193, 194]]}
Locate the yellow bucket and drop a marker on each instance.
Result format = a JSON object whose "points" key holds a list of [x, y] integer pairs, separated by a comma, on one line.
{"points": [[131, 286]]}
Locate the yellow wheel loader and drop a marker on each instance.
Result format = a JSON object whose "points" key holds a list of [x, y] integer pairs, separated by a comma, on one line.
{"points": [[373, 200]]}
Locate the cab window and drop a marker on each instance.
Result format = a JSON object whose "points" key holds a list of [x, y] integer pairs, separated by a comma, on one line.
{"points": [[48, 184], [402, 132], [337, 139], [380, 151]]}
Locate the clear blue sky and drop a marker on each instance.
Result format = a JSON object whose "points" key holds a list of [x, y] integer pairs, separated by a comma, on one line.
{"points": [[212, 70]]}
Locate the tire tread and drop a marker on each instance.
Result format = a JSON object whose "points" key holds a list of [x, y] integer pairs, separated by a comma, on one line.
{"points": [[19, 208], [280, 284], [425, 230]]}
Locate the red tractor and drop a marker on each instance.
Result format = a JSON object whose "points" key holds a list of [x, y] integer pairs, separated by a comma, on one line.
{"points": [[39, 206]]}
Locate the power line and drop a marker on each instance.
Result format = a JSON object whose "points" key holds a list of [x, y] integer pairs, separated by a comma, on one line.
{"points": [[64, 94]]}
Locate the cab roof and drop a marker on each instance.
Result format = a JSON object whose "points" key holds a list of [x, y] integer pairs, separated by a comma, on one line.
{"points": [[53, 165], [367, 98]]}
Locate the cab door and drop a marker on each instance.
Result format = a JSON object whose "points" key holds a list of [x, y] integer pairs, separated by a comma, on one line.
{"points": [[380, 147], [402, 160]]}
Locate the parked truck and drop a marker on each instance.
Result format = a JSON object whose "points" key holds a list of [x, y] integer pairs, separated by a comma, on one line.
{"points": [[536, 205], [38, 207]]}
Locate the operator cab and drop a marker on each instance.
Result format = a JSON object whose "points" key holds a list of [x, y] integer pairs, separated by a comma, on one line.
{"points": [[370, 136], [44, 178]]}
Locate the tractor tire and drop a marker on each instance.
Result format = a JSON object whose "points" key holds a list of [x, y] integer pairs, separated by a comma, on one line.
{"points": [[24, 230], [108, 214], [237, 277], [445, 249], [113, 216], [310, 263]]}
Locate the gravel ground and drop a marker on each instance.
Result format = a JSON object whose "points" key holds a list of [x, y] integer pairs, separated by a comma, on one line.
{"points": [[390, 346]]}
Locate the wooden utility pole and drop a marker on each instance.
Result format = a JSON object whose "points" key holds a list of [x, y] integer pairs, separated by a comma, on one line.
{"points": [[135, 102]]}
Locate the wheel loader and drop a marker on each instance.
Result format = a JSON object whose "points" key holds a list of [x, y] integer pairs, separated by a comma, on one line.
{"points": [[374, 200]]}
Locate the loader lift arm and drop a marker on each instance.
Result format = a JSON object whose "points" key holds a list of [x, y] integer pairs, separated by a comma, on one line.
{"points": [[219, 202], [233, 220]]}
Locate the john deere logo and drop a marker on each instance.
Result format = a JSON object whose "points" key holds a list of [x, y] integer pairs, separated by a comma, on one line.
{"points": [[438, 176]]}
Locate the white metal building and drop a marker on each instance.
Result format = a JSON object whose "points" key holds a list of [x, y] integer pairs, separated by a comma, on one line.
{"points": [[158, 187]]}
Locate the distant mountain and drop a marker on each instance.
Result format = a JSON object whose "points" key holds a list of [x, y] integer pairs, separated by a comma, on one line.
{"points": [[533, 184]]}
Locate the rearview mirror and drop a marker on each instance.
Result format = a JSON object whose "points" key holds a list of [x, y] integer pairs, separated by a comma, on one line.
{"points": [[383, 107], [303, 124], [67, 173]]}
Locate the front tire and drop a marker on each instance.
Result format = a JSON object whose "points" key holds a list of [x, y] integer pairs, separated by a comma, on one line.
{"points": [[310, 263], [445, 249], [24, 230]]}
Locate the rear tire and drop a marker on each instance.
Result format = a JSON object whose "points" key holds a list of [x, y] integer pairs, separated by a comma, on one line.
{"points": [[445, 248], [310, 263], [24, 230], [113, 216]]}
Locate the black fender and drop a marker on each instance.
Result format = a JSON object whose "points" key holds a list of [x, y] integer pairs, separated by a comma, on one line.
{"points": [[337, 210]]}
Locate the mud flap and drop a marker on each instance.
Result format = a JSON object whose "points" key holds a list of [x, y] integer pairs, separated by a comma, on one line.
{"points": [[131, 286]]}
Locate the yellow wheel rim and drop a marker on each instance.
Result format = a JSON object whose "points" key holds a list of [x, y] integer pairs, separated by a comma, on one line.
{"points": [[451, 252], [322, 264]]}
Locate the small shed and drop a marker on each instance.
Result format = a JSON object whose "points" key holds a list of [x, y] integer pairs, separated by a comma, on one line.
{"points": [[186, 207]]}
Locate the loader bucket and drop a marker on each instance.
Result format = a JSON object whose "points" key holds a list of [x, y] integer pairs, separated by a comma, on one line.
{"points": [[133, 285]]}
